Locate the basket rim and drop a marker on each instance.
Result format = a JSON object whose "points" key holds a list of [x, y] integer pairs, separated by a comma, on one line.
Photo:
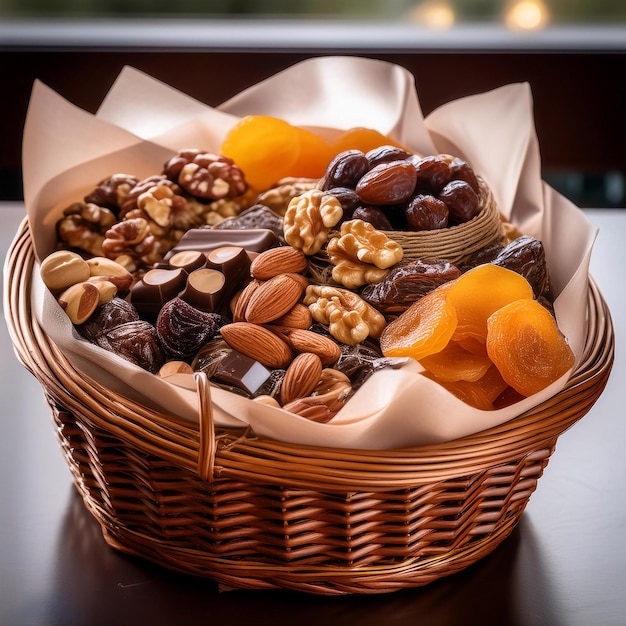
{"points": [[243, 455]]}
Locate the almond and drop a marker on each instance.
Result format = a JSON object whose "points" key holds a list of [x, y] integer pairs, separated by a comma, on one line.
{"points": [[240, 303], [301, 340], [281, 260], [301, 377], [273, 298], [258, 343], [298, 316]]}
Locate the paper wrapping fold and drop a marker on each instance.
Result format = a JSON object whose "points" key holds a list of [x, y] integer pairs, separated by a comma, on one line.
{"points": [[67, 151]]}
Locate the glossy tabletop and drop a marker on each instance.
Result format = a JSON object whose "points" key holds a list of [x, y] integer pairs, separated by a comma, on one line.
{"points": [[564, 564]]}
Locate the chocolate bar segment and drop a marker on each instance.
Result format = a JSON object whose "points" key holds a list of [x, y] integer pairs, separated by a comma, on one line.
{"points": [[239, 370]]}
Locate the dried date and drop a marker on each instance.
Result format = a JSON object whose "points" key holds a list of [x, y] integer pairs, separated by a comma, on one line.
{"points": [[345, 170], [406, 283], [136, 342], [462, 201], [460, 170], [107, 317], [526, 256], [183, 329], [348, 198], [384, 154], [372, 214], [388, 183], [425, 212], [433, 172]]}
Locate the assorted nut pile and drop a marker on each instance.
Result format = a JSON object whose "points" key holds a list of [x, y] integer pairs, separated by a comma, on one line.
{"points": [[191, 270]]}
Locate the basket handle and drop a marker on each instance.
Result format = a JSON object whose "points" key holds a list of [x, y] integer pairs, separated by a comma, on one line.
{"points": [[208, 443]]}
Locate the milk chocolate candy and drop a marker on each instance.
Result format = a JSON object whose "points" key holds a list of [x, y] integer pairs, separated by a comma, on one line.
{"points": [[189, 260], [205, 289], [207, 239], [232, 261], [156, 287], [239, 370]]}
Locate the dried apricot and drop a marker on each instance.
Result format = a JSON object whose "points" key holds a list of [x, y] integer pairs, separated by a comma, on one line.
{"points": [[527, 347], [264, 147], [363, 139], [481, 291], [455, 363], [424, 328], [314, 155], [480, 394]]}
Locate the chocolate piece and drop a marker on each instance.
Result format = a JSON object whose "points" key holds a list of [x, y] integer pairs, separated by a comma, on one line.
{"points": [[183, 329], [189, 260], [156, 287], [239, 370], [205, 289], [257, 216], [207, 239], [232, 261], [107, 317], [136, 342]]}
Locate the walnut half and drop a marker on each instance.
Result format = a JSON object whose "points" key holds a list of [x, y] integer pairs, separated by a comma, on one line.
{"points": [[349, 318], [309, 218], [361, 254]]}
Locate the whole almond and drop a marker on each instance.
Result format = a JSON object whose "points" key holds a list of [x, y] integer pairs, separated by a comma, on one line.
{"points": [[281, 260], [258, 343], [301, 340], [301, 377], [273, 298], [238, 306], [79, 301], [299, 316]]}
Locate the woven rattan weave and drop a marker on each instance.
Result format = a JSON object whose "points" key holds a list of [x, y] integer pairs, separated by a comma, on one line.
{"points": [[254, 513]]}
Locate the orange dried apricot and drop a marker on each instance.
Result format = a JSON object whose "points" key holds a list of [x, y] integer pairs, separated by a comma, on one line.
{"points": [[527, 347], [479, 292], [363, 139], [480, 394], [264, 147], [314, 155], [268, 148], [455, 363], [424, 328]]}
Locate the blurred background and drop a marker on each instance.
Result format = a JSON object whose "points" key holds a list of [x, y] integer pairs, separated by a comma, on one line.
{"points": [[517, 14], [555, 45]]}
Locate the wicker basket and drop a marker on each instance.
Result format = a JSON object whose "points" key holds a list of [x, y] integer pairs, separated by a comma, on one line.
{"points": [[254, 513]]}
